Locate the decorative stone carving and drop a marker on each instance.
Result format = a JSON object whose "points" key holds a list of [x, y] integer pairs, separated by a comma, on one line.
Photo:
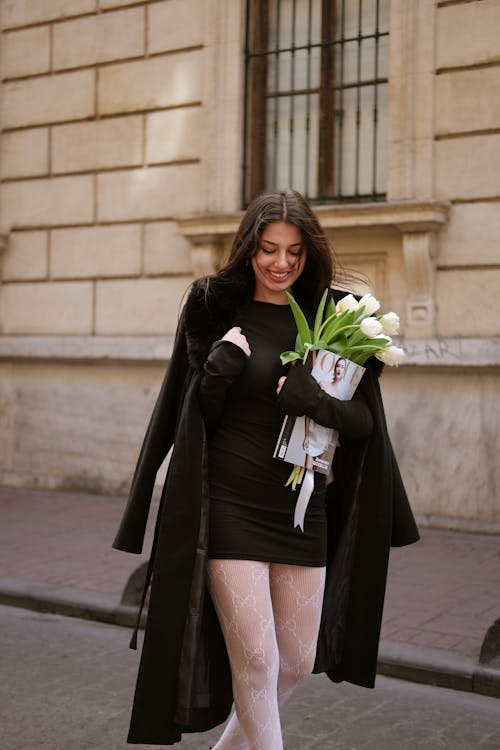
{"points": [[206, 254], [418, 251]]}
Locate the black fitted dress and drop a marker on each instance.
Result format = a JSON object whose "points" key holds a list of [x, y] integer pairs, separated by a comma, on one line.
{"points": [[251, 511]]}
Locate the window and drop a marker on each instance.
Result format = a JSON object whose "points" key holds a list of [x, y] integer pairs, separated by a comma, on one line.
{"points": [[316, 98]]}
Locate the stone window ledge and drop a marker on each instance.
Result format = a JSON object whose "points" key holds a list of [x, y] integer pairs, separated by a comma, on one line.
{"points": [[407, 216], [421, 352]]}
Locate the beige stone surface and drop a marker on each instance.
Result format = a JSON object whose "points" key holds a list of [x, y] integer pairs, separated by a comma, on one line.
{"points": [[43, 308], [445, 432], [139, 307], [106, 4], [174, 24], [101, 144], [173, 135], [166, 250], [411, 104], [467, 100], [76, 427], [7, 408], [96, 39], [25, 152], [467, 34], [93, 252], [471, 236], [467, 302], [26, 52], [24, 12], [423, 167], [119, 349], [376, 253], [157, 82], [45, 202], [468, 167], [25, 256], [223, 87], [156, 192], [66, 96]]}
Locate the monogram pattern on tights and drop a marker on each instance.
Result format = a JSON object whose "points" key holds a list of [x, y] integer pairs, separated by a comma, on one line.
{"points": [[269, 615]]}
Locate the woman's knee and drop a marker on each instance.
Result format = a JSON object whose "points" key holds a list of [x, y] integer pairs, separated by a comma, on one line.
{"points": [[293, 673], [257, 667]]}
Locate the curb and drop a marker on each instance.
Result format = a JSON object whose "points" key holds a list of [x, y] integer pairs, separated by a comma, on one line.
{"points": [[67, 601], [430, 666], [436, 666]]}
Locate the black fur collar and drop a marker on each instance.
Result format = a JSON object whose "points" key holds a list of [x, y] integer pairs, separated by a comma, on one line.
{"points": [[210, 311]]}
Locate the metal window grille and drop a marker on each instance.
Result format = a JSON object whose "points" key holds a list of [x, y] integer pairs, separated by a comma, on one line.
{"points": [[316, 74]]}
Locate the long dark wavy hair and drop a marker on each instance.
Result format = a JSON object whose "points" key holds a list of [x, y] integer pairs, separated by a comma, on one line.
{"points": [[288, 206]]}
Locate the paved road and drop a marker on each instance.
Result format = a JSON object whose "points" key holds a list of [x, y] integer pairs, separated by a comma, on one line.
{"points": [[67, 684]]}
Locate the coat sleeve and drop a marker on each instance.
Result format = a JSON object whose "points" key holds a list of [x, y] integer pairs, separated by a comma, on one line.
{"points": [[224, 363], [302, 394], [157, 442]]}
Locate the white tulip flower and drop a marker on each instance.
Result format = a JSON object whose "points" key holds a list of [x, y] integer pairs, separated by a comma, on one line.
{"points": [[370, 304], [390, 323], [393, 355], [348, 302], [371, 327]]}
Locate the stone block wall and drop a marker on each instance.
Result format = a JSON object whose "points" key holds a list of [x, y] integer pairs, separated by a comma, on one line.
{"points": [[102, 111], [467, 166]]}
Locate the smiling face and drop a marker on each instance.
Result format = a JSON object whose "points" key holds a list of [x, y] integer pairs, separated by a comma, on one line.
{"points": [[278, 262]]}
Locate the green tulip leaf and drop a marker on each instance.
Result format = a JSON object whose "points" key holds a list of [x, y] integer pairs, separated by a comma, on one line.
{"points": [[287, 357], [319, 316], [300, 320]]}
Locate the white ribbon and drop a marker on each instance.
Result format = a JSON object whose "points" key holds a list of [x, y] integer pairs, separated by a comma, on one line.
{"points": [[303, 499]]}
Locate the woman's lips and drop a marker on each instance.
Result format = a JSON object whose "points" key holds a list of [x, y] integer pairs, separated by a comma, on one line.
{"points": [[279, 276]]}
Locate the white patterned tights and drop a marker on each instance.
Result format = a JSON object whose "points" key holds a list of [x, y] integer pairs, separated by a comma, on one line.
{"points": [[270, 615]]}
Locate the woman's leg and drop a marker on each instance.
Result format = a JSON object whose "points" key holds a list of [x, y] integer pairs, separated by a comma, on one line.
{"points": [[241, 595], [297, 597]]}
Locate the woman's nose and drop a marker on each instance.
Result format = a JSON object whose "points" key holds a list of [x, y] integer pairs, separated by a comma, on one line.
{"points": [[281, 259]]}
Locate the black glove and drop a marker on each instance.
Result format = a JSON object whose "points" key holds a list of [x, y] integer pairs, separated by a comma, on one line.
{"points": [[224, 363], [302, 395]]}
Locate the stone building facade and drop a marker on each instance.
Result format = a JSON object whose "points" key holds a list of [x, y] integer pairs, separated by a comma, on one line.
{"points": [[121, 152]]}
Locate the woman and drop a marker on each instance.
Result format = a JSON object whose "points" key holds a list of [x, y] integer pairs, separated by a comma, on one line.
{"points": [[238, 605], [317, 437]]}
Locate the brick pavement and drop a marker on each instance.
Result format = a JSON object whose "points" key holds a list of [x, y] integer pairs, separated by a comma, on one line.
{"points": [[443, 592]]}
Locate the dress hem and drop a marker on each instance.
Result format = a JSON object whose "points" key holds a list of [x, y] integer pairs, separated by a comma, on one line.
{"points": [[263, 558]]}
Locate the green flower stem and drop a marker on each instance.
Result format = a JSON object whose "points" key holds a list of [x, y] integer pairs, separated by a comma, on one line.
{"points": [[296, 476], [332, 319]]}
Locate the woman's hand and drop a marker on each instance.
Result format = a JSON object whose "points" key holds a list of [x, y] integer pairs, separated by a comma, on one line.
{"points": [[236, 337], [281, 383]]}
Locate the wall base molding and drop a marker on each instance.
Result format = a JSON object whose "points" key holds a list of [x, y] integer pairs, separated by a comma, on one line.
{"points": [[432, 352]]}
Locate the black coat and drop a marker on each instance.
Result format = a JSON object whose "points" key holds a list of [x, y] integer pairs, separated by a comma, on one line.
{"points": [[184, 681]]}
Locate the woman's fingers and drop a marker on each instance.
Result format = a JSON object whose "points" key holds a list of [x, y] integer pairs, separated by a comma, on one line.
{"points": [[236, 337], [281, 383]]}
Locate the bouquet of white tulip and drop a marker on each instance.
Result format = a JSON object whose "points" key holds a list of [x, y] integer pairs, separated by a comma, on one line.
{"points": [[350, 330]]}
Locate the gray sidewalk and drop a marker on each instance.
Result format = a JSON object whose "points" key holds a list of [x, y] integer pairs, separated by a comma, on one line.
{"points": [[443, 593]]}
